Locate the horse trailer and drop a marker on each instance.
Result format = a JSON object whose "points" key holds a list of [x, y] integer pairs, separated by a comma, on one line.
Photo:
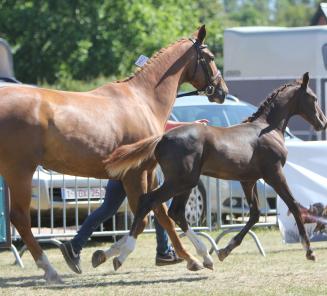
{"points": [[259, 59]]}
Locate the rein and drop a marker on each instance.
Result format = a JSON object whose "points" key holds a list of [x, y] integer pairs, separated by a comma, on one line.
{"points": [[210, 88]]}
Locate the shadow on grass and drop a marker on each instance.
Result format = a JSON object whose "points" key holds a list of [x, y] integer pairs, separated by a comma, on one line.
{"points": [[38, 282]]}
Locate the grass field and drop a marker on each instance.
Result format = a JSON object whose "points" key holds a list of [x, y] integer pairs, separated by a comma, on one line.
{"points": [[284, 271]]}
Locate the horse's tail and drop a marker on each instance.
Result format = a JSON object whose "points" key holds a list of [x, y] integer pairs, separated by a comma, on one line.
{"points": [[130, 156]]}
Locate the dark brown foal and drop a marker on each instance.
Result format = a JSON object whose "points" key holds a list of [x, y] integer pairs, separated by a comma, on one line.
{"points": [[246, 152]]}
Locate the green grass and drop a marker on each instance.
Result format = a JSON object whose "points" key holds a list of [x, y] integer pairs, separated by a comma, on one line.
{"points": [[284, 271]]}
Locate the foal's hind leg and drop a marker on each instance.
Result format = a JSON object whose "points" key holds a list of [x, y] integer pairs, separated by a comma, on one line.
{"points": [[278, 182], [20, 196], [177, 213], [251, 194]]}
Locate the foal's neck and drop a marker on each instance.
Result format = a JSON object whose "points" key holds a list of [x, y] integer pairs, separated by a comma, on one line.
{"points": [[280, 110]]}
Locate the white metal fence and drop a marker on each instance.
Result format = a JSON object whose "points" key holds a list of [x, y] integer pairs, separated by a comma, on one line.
{"points": [[60, 204]]}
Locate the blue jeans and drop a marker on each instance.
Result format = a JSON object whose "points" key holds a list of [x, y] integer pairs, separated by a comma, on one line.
{"points": [[115, 195]]}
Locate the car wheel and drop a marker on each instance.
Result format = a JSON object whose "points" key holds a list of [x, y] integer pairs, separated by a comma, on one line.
{"points": [[195, 210]]}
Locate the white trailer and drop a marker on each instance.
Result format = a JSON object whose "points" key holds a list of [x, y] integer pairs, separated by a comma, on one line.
{"points": [[259, 59]]}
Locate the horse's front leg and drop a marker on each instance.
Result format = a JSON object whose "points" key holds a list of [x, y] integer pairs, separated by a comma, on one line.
{"points": [[177, 213], [20, 196], [277, 181], [251, 195]]}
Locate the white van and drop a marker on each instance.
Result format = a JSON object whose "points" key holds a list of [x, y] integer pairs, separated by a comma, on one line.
{"points": [[259, 59]]}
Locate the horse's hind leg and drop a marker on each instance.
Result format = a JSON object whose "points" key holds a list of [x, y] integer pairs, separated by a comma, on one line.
{"points": [[20, 196], [168, 224], [251, 194], [278, 182], [153, 201], [177, 213]]}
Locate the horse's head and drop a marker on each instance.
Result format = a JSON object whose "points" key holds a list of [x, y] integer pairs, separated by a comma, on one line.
{"points": [[308, 106], [204, 74]]}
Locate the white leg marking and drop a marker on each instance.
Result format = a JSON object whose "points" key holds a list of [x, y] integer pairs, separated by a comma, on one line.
{"points": [[127, 248], [115, 248], [50, 275], [200, 247]]}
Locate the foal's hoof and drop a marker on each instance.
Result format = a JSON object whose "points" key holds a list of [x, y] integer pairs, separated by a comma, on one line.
{"points": [[222, 254], [194, 266], [116, 263], [98, 258], [311, 256]]}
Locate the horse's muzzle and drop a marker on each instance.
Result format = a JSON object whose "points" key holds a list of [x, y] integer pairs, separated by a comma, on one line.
{"points": [[219, 96]]}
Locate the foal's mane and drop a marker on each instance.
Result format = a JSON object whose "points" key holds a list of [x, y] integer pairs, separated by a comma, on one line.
{"points": [[268, 103], [153, 58]]}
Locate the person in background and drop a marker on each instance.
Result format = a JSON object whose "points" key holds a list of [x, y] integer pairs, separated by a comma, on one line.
{"points": [[114, 197]]}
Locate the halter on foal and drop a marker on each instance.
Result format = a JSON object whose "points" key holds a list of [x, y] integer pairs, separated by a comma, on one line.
{"points": [[72, 132], [246, 152]]}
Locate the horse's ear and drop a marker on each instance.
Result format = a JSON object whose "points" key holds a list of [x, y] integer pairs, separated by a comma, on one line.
{"points": [[305, 80], [201, 34]]}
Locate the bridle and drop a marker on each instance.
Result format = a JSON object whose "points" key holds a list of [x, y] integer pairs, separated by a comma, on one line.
{"points": [[209, 90]]}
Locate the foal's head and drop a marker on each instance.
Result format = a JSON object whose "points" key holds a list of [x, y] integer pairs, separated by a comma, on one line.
{"points": [[307, 105], [204, 74]]}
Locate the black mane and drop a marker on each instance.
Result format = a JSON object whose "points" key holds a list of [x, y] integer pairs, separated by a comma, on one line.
{"points": [[267, 104]]}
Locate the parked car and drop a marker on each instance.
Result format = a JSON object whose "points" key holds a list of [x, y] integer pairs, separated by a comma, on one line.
{"points": [[231, 112]]}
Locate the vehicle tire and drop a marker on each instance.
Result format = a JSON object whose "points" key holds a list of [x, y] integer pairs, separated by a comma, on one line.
{"points": [[195, 210]]}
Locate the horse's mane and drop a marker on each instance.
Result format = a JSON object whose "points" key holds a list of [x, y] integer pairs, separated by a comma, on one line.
{"points": [[150, 61], [268, 103]]}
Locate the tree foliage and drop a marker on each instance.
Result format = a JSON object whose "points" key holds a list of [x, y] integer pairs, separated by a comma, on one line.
{"points": [[75, 39]]}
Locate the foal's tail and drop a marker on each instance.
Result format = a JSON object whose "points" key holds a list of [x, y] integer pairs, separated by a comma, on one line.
{"points": [[130, 156]]}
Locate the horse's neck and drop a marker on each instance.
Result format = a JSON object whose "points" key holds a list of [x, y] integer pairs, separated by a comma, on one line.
{"points": [[161, 78]]}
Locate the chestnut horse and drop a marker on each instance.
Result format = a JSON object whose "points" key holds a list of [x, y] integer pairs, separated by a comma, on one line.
{"points": [[72, 132], [246, 152]]}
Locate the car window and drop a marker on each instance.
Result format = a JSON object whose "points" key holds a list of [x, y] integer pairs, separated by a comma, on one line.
{"points": [[214, 113], [236, 114]]}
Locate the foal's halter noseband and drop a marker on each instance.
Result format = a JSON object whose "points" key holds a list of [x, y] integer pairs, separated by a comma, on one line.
{"points": [[209, 90]]}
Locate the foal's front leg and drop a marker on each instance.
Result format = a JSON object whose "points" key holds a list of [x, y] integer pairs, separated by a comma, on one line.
{"points": [[278, 182], [251, 194]]}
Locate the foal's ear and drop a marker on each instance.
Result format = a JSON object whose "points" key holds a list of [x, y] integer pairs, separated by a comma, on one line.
{"points": [[305, 80], [201, 34]]}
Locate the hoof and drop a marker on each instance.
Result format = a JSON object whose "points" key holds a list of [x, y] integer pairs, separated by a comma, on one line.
{"points": [[116, 263], [208, 262], [53, 279], [194, 266], [208, 265], [311, 256], [222, 254], [98, 258]]}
